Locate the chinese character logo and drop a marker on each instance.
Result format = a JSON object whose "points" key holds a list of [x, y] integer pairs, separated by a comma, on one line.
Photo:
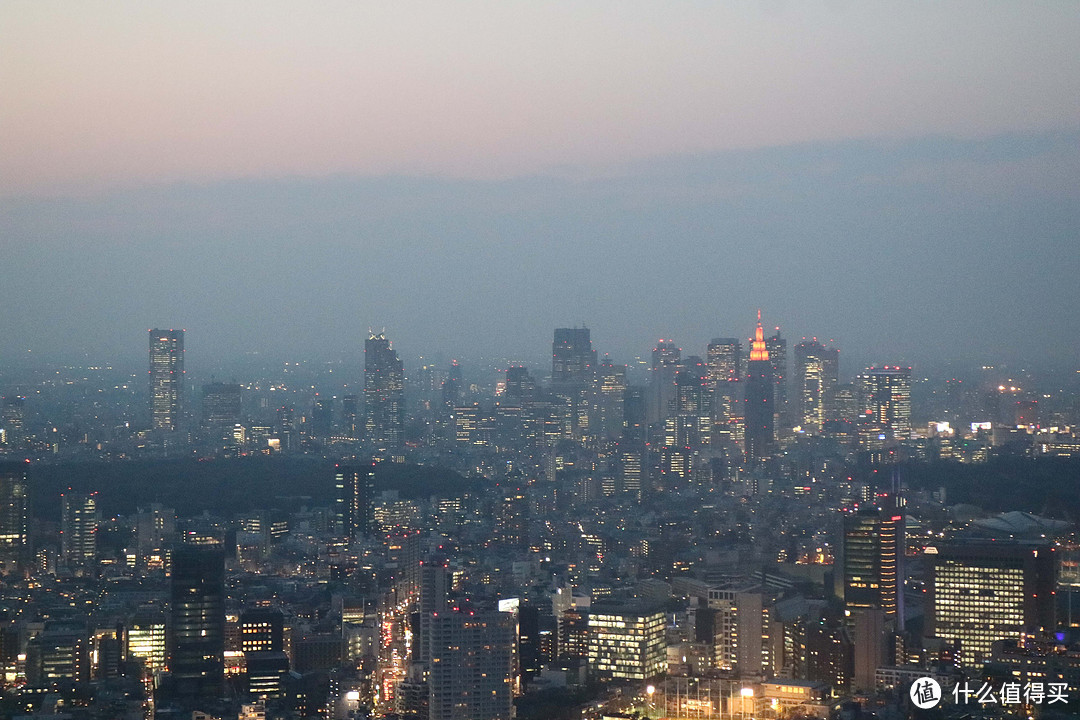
{"points": [[925, 693]]}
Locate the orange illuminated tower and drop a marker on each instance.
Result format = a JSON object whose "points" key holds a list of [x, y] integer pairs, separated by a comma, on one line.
{"points": [[760, 423]]}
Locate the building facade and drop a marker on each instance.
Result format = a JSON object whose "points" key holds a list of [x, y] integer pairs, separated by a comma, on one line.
{"points": [[196, 633], [472, 666], [626, 643], [166, 379], [384, 393], [984, 591], [872, 557]]}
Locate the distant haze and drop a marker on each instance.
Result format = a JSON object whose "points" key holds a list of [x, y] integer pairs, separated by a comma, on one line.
{"points": [[277, 177]]}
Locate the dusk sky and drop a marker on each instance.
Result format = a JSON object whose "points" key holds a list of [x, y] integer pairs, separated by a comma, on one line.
{"points": [[278, 176]]}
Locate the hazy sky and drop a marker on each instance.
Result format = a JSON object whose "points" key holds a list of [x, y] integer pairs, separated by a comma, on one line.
{"points": [[280, 175]]}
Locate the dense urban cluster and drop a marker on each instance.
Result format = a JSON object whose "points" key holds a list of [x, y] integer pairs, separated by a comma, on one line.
{"points": [[738, 533]]}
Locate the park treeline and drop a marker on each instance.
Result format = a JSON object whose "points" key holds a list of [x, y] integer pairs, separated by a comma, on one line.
{"points": [[1048, 486], [222, 486]]}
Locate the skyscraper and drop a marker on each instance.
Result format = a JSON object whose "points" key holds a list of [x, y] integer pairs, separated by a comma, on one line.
{"points": [[693, 389], [760, 421], [221, 404], [453, 387], [724, 358], [196, 635], [816, 376], [873, 557], [777, 347], [14, 514], [886, 398], [355, 485], [610, 392], [78, 528], [384, 385], [166, 378], [520, 386], [322, 415], [665, 362], [348, 415], [472, 666], [12, 419], [573, 367], [572, 356], [983, 591]]}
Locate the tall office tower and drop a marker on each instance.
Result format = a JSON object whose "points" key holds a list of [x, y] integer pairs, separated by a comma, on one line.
{"points": [[573, 367], [886, 398], [196, 636], [512, 519], [166, 378], [665, 363], [453, 388], [221, 403], [845, 403], [610, 392], [984, 591], [724, 357], [78, 528], [322, 416], [520, 386], [690, 425], [634, 413], [760, 422], [631, 471], [530, 641], [632, 443], [626, 642], [816, 375], [693, 390], [472, 666], [423, 382], [433, 600], [14, 516], [572, 356], [286, 426], [355, 486], [467, 423], [12, 420], [349, 406], [872, 557], [384, 385], [777, 347], [155, 529], [870, 652]]}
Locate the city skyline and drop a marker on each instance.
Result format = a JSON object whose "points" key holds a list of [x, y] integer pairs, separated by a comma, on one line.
{"points": [[549, 361]]}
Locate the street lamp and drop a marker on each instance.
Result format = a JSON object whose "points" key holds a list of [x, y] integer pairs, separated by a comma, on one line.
{"points": [[650, 690]]}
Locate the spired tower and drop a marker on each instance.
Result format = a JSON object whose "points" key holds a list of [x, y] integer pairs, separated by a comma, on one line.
{"points": [[760, 401]]}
